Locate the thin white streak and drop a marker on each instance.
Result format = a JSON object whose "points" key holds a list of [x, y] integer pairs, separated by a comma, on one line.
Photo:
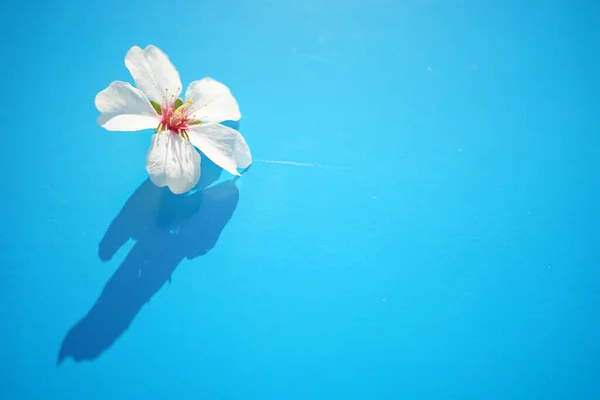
{"points": [[297, 164]]}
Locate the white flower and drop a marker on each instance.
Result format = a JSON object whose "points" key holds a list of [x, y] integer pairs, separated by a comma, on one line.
{"points": [[155, 104]]}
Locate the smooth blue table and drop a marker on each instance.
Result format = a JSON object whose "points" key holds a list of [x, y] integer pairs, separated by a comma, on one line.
{"points": [[420, 220]]}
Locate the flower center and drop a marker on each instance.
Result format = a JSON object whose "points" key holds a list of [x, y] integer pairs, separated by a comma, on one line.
{"points": [[176, 116]]}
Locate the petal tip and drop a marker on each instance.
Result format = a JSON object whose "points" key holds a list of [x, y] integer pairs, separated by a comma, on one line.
{"points": [[131, 51], [176, 191]]}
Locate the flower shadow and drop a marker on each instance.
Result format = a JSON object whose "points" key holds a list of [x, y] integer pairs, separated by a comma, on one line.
{"points": [[167, 228]]}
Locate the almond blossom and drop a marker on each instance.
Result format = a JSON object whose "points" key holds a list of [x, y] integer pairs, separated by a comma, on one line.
{"points": [[180, 124]]}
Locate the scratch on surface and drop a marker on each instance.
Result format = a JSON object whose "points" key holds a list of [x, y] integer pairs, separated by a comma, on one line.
{"points": [[309, 56], [297, 164]]}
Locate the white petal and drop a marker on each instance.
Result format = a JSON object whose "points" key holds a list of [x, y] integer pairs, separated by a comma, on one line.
{"points": [[212, 101], [226, 147], [172, 161], [125, 108], [153, 72]]}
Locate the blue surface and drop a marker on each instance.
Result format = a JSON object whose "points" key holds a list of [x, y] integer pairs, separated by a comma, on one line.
{"points": [[444, 247]]}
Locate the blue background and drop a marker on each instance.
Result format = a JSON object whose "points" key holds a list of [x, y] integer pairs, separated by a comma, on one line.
{"points": [[445, 246]]}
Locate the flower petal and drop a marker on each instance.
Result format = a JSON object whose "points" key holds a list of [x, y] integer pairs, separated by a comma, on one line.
{"points": [[172, 161], [153, 72], [226, 147], [212, 101], [125, 108]]}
